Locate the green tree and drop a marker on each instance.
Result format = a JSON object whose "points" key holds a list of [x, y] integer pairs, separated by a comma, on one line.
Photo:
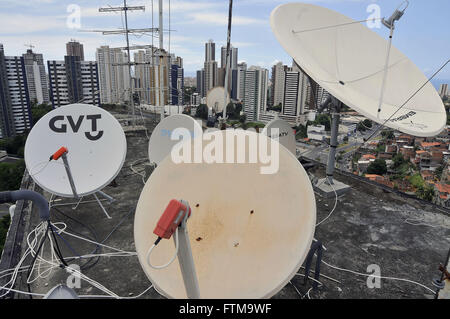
{"points": [[243, 118], [202, 111], [387, 134], [302, 131], [11, 175], [39, 111], [377, 167], [14, 145], [323, 119], [439, 171], [425, 193], [398, 160]]}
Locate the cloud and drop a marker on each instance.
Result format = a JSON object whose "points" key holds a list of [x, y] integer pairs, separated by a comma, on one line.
{"points": [[20, 23], [221, 19]]}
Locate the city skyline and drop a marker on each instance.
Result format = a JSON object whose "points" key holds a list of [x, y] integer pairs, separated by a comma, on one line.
{"points": [[195, 22]]}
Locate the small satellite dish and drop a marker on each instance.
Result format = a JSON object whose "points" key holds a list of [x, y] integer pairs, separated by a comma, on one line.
{"points": [[160, 144], [96, 147], [348, 60], [241, 249], [215, 99], [285, 134]]}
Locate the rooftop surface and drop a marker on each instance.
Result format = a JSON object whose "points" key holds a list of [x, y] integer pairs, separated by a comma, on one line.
{"points": [[369, 226]]}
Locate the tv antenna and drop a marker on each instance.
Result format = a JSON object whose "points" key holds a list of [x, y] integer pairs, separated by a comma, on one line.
{"points": [[126, 30], [351, 63], [29, 46], [222, 123]]}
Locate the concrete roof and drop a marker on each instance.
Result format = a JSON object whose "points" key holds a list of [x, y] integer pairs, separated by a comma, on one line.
{"points": [[368, 226]]}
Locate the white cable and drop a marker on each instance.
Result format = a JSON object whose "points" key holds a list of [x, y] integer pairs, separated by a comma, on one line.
{"points": [[381, 277], [170, 261], [335, 204], [136, 172]]}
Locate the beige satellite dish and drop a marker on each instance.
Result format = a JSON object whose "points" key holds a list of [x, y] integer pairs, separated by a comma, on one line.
{"points": [[215, 99], [348, 60], [249, 232]]}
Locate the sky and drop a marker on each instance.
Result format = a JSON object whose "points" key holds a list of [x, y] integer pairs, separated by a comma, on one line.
{"points": [[422, 34]]}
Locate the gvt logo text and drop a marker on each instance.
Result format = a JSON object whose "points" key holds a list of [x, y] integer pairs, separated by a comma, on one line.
{"points": [[60, 124]]}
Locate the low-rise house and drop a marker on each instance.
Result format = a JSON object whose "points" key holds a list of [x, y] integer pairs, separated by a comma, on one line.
{"points": [[380, 180], [442, 196], [391, 148], [404, 186], [407, 152], [428, 176]]}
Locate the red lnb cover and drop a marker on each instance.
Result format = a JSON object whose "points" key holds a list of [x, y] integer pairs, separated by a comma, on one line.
{"points": [[170, 219], [59, 153]]}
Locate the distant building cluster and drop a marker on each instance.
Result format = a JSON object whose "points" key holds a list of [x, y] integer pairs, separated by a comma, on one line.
{"points": [[288, 93], [157, 80], [424, 159]]}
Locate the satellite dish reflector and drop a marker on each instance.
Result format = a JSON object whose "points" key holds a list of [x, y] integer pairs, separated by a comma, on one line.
{"points": [[96, 147], [160, 144], [349, 61], [61, 292], [285, 134], [249, 232], [215, 99]]}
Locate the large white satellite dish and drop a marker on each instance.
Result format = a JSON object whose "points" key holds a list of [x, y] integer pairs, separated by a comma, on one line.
{"points": [[285, 134], [215, 99], [96, 147], [249, 232], [160, 144], [349, 61]]}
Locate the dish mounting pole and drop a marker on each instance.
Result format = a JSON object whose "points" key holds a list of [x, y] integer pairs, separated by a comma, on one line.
{"points": [[186, 260], [334, 105]]}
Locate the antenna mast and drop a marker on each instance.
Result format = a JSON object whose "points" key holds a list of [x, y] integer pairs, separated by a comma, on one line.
{"points": [[227, 64], [127, 31]]}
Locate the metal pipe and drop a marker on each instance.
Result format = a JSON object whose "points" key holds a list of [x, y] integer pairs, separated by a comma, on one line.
{"points": [[129, 62], [186, 260], [23, 194], [69, 175], [227, 62], [333, 142]]}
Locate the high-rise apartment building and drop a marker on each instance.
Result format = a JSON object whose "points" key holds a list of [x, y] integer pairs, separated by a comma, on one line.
{"points": [[153, 73], [295, 89], [238, 82], [36, 77], [75, 48], [177, 85], [114, 78], [443, 90], [210, 51], [201, 82], [255, 97], [73, 81], [211, 75], [278, 81], [233, 57], [15, 110]]}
